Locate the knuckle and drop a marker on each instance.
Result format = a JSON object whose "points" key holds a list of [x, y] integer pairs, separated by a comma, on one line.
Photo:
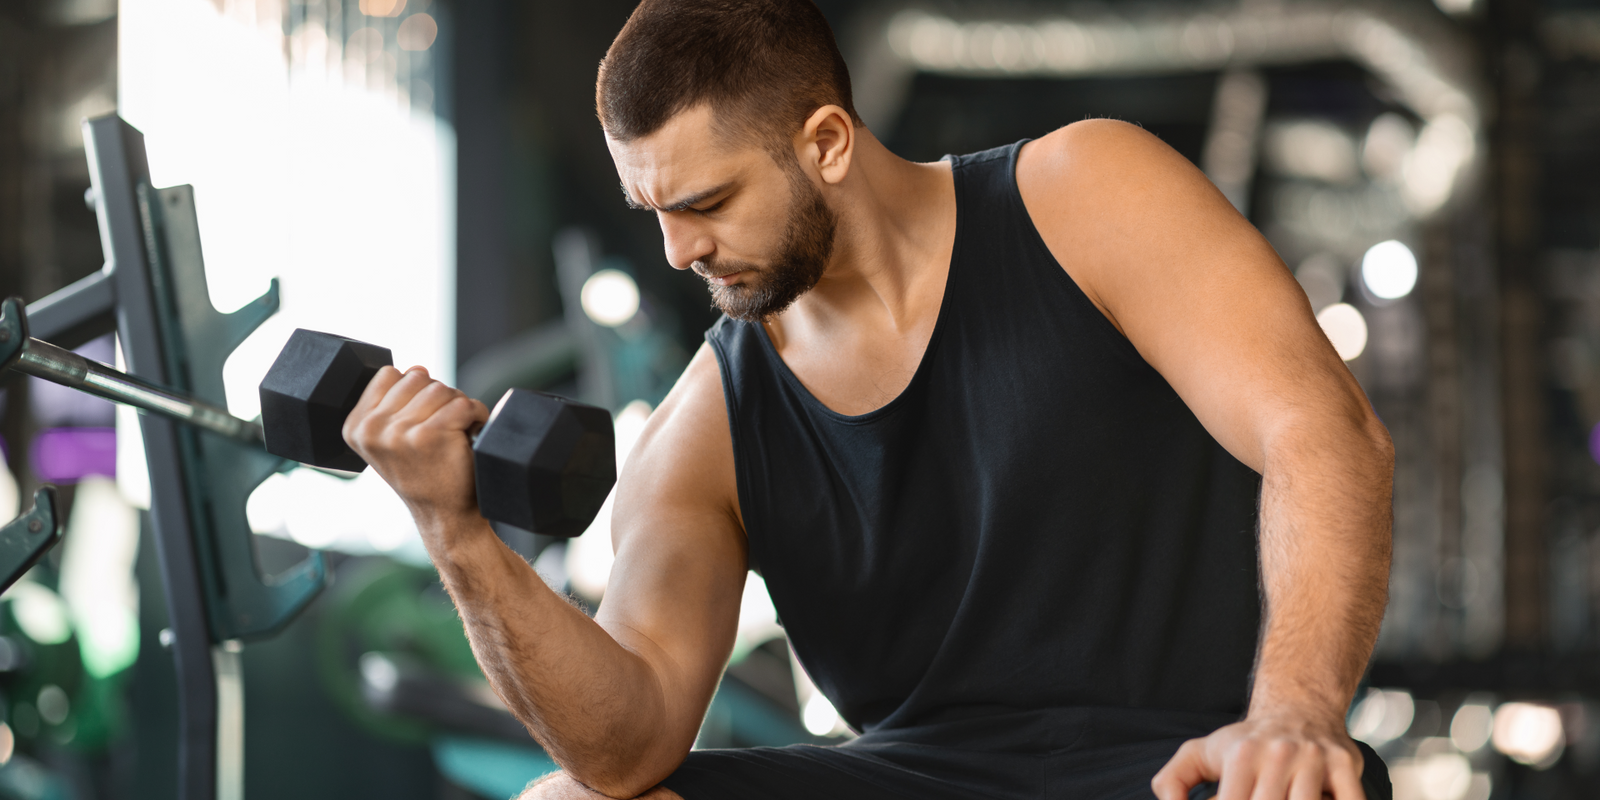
{"points": [[1340, 758]]}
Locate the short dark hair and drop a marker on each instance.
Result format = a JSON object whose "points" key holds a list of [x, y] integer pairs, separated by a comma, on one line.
{"points": [[763, 65]]}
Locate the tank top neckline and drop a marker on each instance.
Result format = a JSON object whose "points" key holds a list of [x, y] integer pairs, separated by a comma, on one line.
{"points": [[939, 324]]}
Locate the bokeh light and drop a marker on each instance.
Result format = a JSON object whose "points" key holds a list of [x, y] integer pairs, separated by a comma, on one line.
{"points": [[819, 715], [39, 612], [1382, 716], [382, 8], [1471, 727], [1444, 776], [1529, 733], [610, 297], [1389, 269], [417, 32], [1346, 329], [97, 579]]}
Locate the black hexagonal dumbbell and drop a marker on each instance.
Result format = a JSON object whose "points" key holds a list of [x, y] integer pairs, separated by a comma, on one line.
{"points": [[543, 463], [313, 385]]}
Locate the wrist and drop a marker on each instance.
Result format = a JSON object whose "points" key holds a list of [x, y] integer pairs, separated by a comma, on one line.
{"points": [[450, 535], [1306, 710]]}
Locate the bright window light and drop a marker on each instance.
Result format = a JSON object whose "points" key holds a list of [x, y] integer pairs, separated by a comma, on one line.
{"points": [[1389, 269], [1346, 329], [316, 159]]}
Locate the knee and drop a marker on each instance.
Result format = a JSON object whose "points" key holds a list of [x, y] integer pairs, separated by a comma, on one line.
{"points": [[557, 786]]}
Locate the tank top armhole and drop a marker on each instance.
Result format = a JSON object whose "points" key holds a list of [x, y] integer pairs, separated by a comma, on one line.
{"points": [[730, 402], [1118, 343]]}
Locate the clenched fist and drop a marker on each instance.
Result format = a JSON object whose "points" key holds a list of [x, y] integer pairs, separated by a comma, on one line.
{"points": [[416, 433]]}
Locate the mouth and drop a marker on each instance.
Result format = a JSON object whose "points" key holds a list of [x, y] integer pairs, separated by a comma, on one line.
{"points": [[721, 279]]}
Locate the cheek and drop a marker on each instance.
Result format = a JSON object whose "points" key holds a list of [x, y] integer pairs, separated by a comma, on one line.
{"points": [[756, 232]]}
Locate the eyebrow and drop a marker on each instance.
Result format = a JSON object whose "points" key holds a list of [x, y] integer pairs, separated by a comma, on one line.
{"points": [[681, 205]]}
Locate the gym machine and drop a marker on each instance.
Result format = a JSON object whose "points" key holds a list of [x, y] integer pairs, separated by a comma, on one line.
{"points": [[543, 463]]}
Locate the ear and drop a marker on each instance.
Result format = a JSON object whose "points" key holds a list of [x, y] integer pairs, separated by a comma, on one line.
{"points": [[827, 141]]}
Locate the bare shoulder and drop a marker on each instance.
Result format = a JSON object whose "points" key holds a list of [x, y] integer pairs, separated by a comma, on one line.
{"points": [[1101, 148], [683, 461], [1103, 175], [1196, 289], [1118, 208]]}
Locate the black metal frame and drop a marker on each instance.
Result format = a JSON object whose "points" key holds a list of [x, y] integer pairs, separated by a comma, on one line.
{"points": [[152, 293]]}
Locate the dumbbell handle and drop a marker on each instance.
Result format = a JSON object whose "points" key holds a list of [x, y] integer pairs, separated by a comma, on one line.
{"points": [[42, 359]]}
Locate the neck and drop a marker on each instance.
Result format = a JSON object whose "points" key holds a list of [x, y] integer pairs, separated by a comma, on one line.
{"points": [[896, 225]]}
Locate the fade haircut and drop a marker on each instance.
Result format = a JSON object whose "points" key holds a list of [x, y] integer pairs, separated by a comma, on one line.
{"points": [[764, 66]]}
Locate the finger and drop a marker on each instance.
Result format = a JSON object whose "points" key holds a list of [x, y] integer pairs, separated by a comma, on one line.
{"points": [[1274, 771], [1186, 769], [1238, 777], [1309, 779], [376, 389], [459, 414], [1344, 778], [413, 381], [424, 404]]}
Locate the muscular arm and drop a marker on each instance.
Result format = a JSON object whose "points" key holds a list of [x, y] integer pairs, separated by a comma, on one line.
{"points": [[1208, 303], [616, 700]]}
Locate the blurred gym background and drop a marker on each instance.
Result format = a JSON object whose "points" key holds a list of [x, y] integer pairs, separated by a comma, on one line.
{"points": [[429, 174]]}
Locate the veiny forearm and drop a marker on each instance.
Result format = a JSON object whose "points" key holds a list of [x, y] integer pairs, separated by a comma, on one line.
{"points": [[595, 706], [1325, 548]]}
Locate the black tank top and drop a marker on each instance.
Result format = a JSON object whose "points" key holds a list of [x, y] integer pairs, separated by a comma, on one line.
{"points": [[1037, 522]]}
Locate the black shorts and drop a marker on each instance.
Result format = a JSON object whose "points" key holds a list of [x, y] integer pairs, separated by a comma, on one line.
{"points": [[1074, 754]]}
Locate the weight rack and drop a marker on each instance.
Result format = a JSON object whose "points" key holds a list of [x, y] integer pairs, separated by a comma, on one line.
{"points": [[152, 293]]}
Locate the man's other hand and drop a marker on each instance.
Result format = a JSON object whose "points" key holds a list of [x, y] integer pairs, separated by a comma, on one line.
{"points": [[1283, 757]]}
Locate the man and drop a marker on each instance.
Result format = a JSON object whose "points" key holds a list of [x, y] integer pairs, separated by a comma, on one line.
{"points": [[990, 427]]}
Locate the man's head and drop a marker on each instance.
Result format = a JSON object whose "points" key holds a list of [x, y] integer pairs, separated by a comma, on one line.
{"points": [[704, 103]]}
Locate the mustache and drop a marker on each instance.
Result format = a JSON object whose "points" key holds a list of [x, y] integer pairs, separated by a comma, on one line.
{"points": [[718, 269]]}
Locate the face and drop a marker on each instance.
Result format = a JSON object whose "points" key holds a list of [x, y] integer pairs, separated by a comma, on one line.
{"points": [[759, 232]]}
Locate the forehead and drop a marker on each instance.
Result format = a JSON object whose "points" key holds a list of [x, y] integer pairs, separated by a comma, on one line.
{"points": [[687, 155]]}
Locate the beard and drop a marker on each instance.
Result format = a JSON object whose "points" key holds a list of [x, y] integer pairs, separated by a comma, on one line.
{"points": [[801, 259]]}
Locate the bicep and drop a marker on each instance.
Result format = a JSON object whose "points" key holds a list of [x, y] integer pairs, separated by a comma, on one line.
{"points": [[674, 590], [1196, 289]]}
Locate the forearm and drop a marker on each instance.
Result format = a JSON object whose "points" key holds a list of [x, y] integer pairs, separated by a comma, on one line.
{"points": [[1325, 549], [594, 705]]}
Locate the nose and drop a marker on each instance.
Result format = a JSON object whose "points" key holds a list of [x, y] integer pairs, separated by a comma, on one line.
{"points": [[684, 241]]}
